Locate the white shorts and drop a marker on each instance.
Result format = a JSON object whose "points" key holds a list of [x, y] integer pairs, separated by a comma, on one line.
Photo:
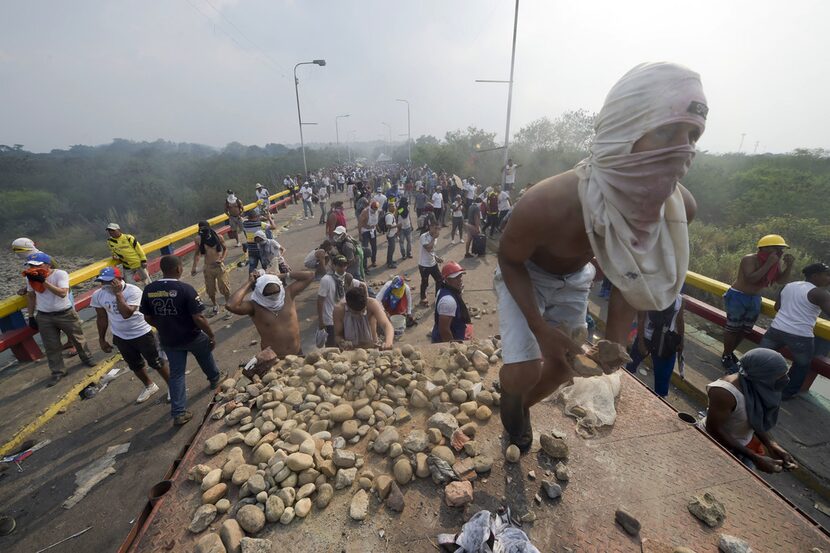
{"points": [[561, 300]]}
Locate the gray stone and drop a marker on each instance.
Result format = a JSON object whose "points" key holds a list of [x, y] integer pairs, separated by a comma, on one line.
{"points": [[386, 437], [342, 413], [402, 471], [482, 464], [359, 507], [231, 534], [707, 509], [255, 545], [512, 454], [210, 543], [445, 453], [202, 518], [444, 422], [349, 429], [628, 522], [273, 508], [324, 494], [344, 458], [562, 472], [303, 507], [287, 515], [215, 444], [344, 478], [551, 488], [394, 499], [299, 461], [251, 518], [223, 505], [556, 448], [256, 484], [242, 473], [415, 441], [732, 544], [211, 479], [263, 454]]}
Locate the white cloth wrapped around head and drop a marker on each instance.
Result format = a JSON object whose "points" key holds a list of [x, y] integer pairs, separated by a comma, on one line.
{"points": [[634, 213], [272, 302]]}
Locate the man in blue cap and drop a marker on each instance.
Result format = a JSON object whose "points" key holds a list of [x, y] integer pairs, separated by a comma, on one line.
{"points": [[47, 293], [116, 305]]}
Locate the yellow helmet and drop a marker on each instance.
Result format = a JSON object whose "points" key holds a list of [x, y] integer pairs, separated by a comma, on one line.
{"points": [[772, 240]]}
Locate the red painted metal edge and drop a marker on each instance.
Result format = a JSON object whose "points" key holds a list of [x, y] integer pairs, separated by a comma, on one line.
{"points": [[718, 317], [148, 513]]}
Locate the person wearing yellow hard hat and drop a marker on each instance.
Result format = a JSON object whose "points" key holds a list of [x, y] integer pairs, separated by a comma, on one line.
{"points": [[742, 302]]}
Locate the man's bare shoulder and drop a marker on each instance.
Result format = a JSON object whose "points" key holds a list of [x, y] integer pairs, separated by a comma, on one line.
{"points": [[558, 193]]}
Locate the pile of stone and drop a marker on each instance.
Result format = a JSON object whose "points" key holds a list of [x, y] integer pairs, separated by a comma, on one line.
{"points": [[290, 429]]}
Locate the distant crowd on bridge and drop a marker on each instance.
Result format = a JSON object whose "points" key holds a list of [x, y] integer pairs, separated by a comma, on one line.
{"points": [[621, 212]]}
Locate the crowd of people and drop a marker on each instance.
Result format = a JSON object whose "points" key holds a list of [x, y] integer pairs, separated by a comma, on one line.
{"points": [[622, 211]]}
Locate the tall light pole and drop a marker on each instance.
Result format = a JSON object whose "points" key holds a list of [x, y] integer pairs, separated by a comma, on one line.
{"points": [[389, 148], [509, 91], [321, 63], [337, 133], [349, 139], [408, 131]]}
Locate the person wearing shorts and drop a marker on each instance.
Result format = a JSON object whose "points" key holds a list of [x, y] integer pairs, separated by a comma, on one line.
{"points": [[116, 305]]}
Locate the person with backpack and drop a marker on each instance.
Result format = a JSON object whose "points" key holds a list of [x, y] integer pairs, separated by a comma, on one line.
{"points": [[351, 249], [660, 335]]}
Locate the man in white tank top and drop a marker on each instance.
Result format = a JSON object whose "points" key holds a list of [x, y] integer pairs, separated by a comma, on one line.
{"points": [[743, 408], [799, 306]]}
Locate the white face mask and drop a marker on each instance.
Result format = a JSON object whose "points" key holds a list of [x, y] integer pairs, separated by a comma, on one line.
{"points": [[274, 302]]}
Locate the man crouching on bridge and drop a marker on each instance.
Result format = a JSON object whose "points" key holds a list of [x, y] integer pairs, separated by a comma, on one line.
{"points": [[272, 308], [624, 206]]}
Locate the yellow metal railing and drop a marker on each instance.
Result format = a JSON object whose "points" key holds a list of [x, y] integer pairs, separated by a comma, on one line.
{"points": [[719, 288], [16, 303]]}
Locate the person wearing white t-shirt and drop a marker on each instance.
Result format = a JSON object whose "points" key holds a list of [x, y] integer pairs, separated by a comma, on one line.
{"points": [[116, 306], [510, 174], [798, 307], [263, 196], [333, 288], [428, 261], [51, 311], [392, 229], [437, 202], [504, 206], [306, 192]]}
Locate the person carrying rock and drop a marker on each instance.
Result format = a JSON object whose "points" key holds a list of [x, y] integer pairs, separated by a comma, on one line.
{"points": [[174, 308], [50, 309], [743, 408], [356, 322], [272, 308], [452, 319], [116, 305], [210, 245], [624, 206], [742, 302]]}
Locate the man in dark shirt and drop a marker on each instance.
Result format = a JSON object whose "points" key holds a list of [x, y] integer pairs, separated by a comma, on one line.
{"points": [[175, 309]]}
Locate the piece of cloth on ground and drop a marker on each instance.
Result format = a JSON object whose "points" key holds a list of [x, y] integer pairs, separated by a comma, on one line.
{"points": [[595, 396]]}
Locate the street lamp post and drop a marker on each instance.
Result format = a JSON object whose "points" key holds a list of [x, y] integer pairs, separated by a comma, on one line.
{"points": [[408, 131], [337, 133], [321, 63], [389, 148], [509, 92]]}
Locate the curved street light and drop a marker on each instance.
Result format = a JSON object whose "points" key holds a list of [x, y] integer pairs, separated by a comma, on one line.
{"points": [[321, 63]]}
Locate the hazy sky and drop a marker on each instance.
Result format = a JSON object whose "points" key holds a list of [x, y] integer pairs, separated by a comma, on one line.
{"points": [[216, 71]]}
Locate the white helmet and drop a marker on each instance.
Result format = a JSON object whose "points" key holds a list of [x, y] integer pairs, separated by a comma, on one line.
{"points": [[24, 247]]}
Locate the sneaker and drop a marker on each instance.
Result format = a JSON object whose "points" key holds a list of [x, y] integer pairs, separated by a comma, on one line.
{"points": [[184, 418], [468, 255], [54, 380], [728, 360], [212, 311], [89, 362], [147, 392]]}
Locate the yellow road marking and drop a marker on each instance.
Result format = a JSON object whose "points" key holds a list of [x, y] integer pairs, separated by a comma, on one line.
{"points": [[70, 397]]}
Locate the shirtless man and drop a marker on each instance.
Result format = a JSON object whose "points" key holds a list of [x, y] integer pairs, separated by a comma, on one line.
{"points": [[742, 301], [623, 206], [210, 245], [234, 209], [272, 308], [356, 322]]}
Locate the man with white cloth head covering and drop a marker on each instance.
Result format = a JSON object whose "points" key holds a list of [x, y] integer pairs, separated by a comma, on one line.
{"points": [[271, 306], [623, 205]]}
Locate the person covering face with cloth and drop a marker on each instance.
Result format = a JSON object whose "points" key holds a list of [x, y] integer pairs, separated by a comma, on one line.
{"points": [[623, 205], [743, 408], [210, 245]]}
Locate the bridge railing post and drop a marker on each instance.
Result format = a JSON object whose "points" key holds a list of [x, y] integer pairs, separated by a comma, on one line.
{"points": [[27, 349]]}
